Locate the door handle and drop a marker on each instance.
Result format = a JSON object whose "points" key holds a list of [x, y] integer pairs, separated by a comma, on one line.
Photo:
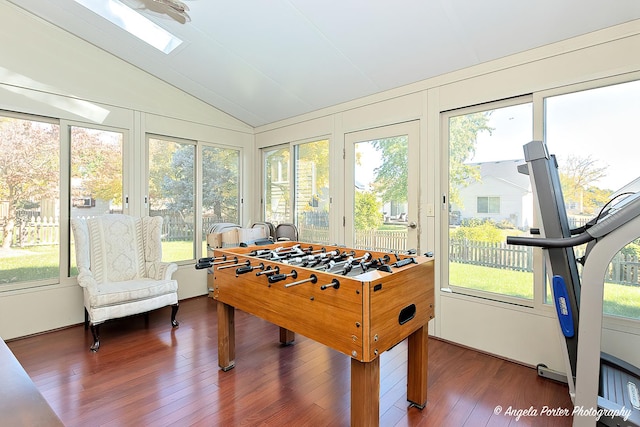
{"points": [[412, 225]]}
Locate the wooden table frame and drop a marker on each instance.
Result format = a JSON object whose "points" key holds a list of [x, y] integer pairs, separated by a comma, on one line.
{"points": [[365, 376], [371, 312]]}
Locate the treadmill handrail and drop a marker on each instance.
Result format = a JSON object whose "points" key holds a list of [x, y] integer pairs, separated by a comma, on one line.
{"points": [[550, 242]]}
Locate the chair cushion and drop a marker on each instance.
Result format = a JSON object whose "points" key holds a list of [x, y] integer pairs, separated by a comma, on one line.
{"points": [[112, 293]]}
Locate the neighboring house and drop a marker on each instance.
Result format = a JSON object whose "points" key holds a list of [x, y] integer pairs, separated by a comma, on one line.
{"points": [[501, 194]]}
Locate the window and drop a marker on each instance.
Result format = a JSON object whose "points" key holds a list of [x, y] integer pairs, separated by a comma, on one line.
{"points": [[220, 188], [594, 135], [312, 191], [29, 200], [172, 195], [488, 205], [276, 190], [485, 149]]}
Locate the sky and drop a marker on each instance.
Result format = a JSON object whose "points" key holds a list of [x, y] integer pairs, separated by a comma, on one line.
{"points": [[602, 123]]}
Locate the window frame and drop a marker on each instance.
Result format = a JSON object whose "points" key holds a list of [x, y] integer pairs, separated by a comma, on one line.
{"points": [[464, 292], [611, 322], [292, 147], [64, 231]]}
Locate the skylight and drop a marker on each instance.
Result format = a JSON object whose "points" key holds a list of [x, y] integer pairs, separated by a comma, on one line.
{"points": [[134, 23]]}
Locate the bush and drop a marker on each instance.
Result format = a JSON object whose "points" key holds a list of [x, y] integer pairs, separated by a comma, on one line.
{"points": [[632, 249], [478, 230]]}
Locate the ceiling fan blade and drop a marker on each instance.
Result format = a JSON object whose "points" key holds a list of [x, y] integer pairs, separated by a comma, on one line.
{"points": [[176, 5]]}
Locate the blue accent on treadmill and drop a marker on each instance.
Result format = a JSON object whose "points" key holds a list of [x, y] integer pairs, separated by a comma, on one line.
{"points": [[563, 306]]}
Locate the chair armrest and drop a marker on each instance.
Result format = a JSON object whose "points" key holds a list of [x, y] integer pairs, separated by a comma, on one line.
{"points": [[86, 279], [161, 270]]}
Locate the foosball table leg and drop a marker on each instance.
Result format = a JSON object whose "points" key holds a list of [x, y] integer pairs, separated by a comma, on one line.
{"points": [[417, 367], [287, 337], [226, 336], [365, 393]]}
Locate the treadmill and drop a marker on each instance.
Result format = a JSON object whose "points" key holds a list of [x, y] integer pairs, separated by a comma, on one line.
{"points": [[599, 383]]}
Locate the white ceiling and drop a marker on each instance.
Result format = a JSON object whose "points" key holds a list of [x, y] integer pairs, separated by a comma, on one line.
{"points": [[266, 60]]}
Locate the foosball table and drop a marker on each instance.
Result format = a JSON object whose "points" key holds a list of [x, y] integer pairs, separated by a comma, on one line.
{"points": [[360, 303]]}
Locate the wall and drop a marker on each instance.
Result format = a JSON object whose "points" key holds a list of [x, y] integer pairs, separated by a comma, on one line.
{"points": [[525, 334], [46, 71]]}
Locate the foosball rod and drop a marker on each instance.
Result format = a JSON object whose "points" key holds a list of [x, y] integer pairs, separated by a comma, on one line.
{"points": [[208, 262], [313, 279], [238, 264], [335, 284], [269, 271]]}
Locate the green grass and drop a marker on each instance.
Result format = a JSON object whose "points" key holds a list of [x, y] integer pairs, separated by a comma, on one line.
{"points": [[41, 262], [514, 283], [392, 227], [27, 264], [177, 251], [619, 300]]}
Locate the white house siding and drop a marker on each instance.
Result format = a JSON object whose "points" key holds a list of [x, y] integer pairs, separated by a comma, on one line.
{"points": [[499, 179]]}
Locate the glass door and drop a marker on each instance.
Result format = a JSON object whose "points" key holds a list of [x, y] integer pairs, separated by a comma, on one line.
{"points": [[382, 186]]}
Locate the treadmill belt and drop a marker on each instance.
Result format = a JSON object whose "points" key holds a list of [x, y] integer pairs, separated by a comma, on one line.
{"points": [[620, 388]]}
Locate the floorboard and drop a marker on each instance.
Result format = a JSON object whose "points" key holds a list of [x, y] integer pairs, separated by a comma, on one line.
{"points": [[147, 373]]}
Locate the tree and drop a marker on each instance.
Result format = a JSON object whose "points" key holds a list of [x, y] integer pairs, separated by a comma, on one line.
{"points": [[367, 214], [312, 173], [96, 160], [178, 182], [160, 167], [577, 176], [179, 186], [276, 172], [29, 167], [463, 136], [220, 182], [391, 177]]}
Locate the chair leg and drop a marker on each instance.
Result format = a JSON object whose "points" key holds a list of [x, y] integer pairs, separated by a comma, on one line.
{"points": [[174, 310], [95, 331], [86, 319]]}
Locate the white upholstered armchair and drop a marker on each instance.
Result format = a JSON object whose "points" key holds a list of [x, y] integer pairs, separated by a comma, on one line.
{"points": [[120, 269]]}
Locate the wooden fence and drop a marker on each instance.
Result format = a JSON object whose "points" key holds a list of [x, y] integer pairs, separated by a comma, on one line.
{"points": [[373, 240], [496, 255], [36, 231], [381, 240]]}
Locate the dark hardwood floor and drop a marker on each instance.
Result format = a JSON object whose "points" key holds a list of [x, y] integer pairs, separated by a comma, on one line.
{"points": [[148, 374]]}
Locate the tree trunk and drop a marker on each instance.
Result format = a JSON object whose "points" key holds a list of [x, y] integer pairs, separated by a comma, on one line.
{"points": [[7, 235]]}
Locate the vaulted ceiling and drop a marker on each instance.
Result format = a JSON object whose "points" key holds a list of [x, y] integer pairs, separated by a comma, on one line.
{"points": [[266, 60]]}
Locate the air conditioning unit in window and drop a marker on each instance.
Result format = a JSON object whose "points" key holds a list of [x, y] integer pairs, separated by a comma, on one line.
{"points": [[84, 202]]}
